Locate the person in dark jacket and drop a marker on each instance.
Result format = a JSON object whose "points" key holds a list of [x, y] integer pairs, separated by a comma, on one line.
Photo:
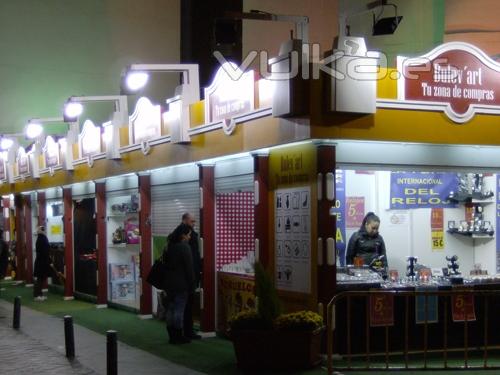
{"points": [[4, 256], [189, 332], [42, 263], [179, 281], [367, 243]]}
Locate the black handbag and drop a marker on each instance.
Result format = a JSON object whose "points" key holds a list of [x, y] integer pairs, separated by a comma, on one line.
{"points": [[158, 273]]}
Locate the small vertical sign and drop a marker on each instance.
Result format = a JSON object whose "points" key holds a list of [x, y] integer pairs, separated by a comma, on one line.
{"points": [[355, 211], [381, 310], [437, 226], [339, 211], [462, 306]]}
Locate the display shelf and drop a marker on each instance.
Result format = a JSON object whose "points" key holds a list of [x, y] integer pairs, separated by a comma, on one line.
{"points": [[123, 244], [471, 198], [122, 215], [123, 224], [487, 235]]}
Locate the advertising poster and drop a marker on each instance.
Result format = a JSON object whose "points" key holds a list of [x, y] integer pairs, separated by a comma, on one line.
{"points": [[422, 190], [293, 248], [339, 211], [381, 310], [355, 211], [437, 229], [462, 306], [235, 293], [426, 304]]}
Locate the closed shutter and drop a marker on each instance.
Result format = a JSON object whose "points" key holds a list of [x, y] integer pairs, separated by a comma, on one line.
{"points": [[169, 202], [234, 184]]}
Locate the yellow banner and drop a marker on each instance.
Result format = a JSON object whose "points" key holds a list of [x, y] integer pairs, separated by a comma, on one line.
{"points": [[292, 166]]}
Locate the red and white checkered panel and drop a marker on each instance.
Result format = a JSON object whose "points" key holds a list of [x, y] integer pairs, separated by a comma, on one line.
{"points": [[234, 226]]}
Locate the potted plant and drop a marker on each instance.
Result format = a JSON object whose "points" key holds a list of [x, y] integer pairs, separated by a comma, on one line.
{"points": [[264, 338]]}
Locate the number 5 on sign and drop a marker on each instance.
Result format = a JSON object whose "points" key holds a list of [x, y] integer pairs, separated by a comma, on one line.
{"points": [[437, 240]]}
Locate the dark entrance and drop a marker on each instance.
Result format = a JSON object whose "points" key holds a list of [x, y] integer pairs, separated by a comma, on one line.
{"points": [[84, 230]]}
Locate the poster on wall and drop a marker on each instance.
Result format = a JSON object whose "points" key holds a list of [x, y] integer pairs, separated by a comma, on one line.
{"points": [[293, 248], [339, 211], [437, 229], [422, 189], [235, 293], [355, 211]]}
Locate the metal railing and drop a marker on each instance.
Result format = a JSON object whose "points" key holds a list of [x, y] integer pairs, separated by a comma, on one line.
{"points": [[443, 346]]}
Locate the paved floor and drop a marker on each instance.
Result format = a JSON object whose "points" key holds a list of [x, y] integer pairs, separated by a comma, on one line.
{"points": [[38, 348]]}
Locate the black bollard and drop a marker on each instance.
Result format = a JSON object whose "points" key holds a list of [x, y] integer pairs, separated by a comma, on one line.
{"points": [[111, 353], [69, 336], [16, 321]]}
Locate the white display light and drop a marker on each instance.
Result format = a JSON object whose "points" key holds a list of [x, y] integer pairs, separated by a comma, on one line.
{"points": [[136, 80], [33, 130], [6, 143], [73, 109]]}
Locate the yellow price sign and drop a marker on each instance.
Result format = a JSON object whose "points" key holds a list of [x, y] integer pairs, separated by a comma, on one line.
{"points": [[55, 229], [437, 240]]}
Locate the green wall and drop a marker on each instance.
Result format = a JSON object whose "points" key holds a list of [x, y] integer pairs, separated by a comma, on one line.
{"points": [[53, 49], [421, 28]]}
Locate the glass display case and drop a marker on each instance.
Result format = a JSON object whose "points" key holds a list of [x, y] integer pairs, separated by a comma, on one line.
{"points": [[123, 247]]}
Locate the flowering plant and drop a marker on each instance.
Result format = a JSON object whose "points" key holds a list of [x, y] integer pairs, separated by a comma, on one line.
{"points": [[299, 321]]}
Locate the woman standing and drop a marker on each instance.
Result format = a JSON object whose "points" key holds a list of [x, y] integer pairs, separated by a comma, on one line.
{"points": [[179, 281], [42, 263], [367, 243]]}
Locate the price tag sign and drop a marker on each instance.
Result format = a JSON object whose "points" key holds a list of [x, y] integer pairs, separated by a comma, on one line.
{"points": [[381, 310], [437, 229], [437, 240], [462, 305]]}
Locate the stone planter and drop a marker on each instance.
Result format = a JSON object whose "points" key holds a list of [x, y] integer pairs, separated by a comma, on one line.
{"points": [[260, 349]]}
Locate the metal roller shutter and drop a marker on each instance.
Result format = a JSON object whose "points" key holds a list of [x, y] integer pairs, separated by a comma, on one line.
{"points": [[169, 202], [233, 184]]}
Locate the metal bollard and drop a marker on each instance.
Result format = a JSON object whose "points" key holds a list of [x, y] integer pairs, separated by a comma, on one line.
{"points": [[111, 353], [69, 336], [16, 320]]}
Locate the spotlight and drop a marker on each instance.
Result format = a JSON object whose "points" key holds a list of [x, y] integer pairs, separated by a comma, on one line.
{"points": [[33, 130], [386, 26]]}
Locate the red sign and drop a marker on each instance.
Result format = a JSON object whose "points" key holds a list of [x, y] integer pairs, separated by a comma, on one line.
{"points": [[437, 219], [381, 310], [355, 211], [462, 306], [457, 78]]}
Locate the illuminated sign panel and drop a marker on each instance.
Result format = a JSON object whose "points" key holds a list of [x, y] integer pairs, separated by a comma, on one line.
{"points": [[226, 98], [457, 78]]}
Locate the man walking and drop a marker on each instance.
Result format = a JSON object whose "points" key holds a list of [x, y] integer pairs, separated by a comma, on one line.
{"points": [[189, 332]]}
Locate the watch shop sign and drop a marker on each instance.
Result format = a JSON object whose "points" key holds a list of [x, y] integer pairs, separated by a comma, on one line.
{"points": [[457, 78]]}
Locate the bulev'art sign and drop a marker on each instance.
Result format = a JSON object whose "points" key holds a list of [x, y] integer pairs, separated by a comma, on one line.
{"points": [[457, 78]]}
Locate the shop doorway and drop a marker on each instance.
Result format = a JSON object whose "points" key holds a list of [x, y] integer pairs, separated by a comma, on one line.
{"points": [[84, 231]]}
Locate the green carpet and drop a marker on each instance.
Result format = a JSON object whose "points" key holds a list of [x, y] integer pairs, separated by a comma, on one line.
{"points": [[211, 355]]}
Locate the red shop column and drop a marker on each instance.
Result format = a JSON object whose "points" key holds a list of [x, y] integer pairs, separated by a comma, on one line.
{"points": [[28, 226], [327, 272], [261, 178], [207, 236], [146, 307], [102, 256], [20, 235], [68, 242]]}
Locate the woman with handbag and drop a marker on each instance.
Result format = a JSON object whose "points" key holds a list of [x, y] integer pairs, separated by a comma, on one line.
{"points": [[179, 281]]}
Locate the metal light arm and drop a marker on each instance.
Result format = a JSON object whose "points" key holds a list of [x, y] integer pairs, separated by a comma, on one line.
{"points": [[301, 22], [120, 101], [190, 77]]}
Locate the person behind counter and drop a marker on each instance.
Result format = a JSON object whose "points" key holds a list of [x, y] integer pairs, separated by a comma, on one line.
{"points": [[367, 243]]}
